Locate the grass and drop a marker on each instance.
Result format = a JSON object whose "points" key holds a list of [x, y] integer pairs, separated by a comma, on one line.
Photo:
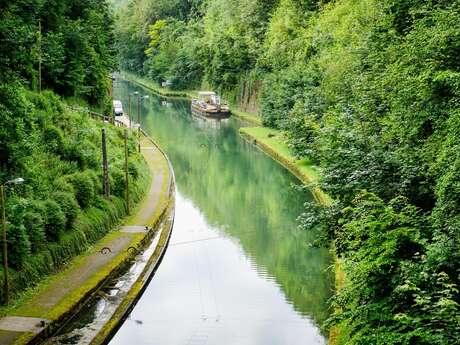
{"points": [[161, 91], [275, 139], [272, 142], [338, 334], [248, 117]]}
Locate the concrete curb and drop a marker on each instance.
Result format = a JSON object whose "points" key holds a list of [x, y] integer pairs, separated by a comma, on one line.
{"points": [[129, 302]]}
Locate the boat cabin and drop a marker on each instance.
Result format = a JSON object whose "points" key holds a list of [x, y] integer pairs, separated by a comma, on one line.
{"points": [[210, 104], [209, 97]]}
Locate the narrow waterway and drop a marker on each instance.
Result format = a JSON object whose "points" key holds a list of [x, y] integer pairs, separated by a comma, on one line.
{"points": [[238, 270]]}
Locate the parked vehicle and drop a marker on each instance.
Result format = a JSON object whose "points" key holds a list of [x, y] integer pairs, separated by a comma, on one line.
{"points": [[118, 108]]}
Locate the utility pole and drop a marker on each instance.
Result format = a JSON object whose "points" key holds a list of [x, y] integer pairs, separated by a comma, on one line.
{"points": [[139, 122], [6, 280], [5, 249], [40, 56], [105, 165], [126, 172]]}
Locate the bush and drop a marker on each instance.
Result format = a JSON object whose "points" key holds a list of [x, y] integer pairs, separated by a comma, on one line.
{"points": [[53, 139], [37, 236], [18, 241], [69, 206], [18, 245], [34, 223], [133, 169], [84, 153], [96, 177], [117, 181], [55, 222], [404, 300], [62, 184], [84, 188]]}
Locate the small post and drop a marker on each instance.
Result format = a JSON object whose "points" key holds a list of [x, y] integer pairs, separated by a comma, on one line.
{"points": [[6, 281], [126, 173], [129, 107], [139, 122], [105, 165]]}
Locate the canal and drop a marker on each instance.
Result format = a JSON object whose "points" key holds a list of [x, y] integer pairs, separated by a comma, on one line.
{"points": [[238, 270]]}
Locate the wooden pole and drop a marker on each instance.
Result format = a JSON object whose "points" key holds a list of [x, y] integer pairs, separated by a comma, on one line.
{"points": [[126, 172], [105, 165], [139, 122], [40, 56], [129, 107], [6, 281]]}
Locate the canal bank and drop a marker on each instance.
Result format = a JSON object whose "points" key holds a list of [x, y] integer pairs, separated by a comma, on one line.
{"points": [[271, 142], [52, 304]]}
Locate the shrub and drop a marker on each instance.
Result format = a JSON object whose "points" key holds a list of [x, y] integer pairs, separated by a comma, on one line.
{"points": [[18, 245], [133, 169], [69, 206], [84, 188], [84, 153], [35, 225], [55, 220], [53, 139], [62, 184], [97, 180], [117, 181]]}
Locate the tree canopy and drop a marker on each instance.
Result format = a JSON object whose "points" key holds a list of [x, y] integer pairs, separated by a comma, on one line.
{"points": [[75, 45]]}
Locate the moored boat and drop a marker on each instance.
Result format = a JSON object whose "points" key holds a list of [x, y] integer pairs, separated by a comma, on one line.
{"points": [[209, 104]]}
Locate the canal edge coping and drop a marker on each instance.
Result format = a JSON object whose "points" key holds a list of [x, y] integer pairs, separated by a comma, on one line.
{"points": [[130, 300]]}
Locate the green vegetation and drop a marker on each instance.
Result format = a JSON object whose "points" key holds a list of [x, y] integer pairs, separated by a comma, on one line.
{"points": [[59, 211], [74, 46], [274, 143], [274, 138], [369, 91]]}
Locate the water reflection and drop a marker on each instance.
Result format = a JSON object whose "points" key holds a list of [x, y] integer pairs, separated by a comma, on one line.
{"points": [[238, 270]]}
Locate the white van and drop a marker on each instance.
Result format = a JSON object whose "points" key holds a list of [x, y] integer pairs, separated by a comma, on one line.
{"points": [[117, 108]]}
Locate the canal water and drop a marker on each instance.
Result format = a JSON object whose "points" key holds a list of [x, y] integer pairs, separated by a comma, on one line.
{"points": [[238, 270]]}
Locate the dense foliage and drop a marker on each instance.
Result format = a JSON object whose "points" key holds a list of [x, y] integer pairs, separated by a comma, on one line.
{"points": [[74, 45], [59, 211], [369, 91]]}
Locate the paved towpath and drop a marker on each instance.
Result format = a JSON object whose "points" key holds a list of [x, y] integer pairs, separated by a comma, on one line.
{"points": [[65, 290]]}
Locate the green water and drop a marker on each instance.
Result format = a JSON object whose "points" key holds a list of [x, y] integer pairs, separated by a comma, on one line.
{"points": [[236, 256]]}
